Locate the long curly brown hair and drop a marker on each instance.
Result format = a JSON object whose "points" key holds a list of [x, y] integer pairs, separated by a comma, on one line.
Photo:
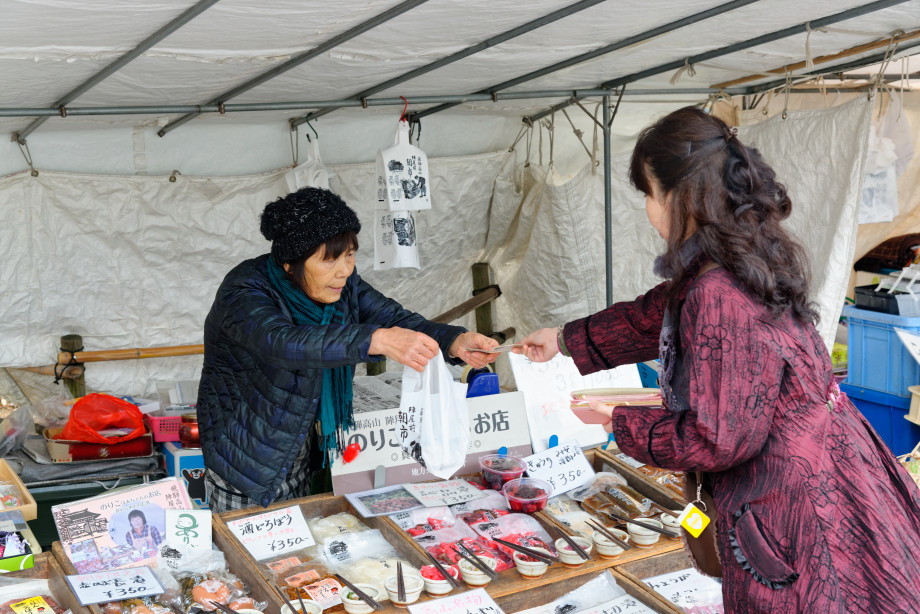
{"points": [[726, 194]]}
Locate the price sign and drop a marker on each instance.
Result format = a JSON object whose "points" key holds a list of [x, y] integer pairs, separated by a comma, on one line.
{"points": [[564, 467], [114, 585], [687, 588], [624, 604], [471, 602], [273, 533], [438, 494]]}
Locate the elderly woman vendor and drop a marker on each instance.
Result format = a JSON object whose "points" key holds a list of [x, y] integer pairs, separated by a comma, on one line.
{"points": [[280, 341]]}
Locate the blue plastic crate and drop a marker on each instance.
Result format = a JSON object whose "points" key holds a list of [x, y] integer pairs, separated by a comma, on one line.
{"points": [[885, 412], [877, 359]]}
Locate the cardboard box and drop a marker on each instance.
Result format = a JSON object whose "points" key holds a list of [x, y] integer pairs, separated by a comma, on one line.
{"points": [[69, 451], [187, 464]]}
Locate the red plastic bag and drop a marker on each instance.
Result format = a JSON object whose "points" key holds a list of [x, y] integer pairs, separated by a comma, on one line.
{"points": [[98, 412]]}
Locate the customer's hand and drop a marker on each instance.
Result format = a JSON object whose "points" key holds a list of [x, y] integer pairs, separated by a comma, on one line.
{"points": [[407, 347], [477, 360], [540, 345]]}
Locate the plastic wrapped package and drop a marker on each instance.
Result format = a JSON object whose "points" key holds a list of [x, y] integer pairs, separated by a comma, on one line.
{"points": [[602, 481], [313, 580], [675, 482], [423, 520], [601, 503], [635, 504], [518, 529], [478, 516], [364, 557], [441, 545], [493, 500], [5, 607], [591, 594], [202, 590], [577, 522], [560, 505], [322, 529], [16, 590]]}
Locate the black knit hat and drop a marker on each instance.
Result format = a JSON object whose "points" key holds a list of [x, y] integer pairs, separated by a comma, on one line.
{"points": [[303, 220]]}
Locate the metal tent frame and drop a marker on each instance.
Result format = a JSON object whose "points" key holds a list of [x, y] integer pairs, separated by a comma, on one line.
{"points": [[497, 92]]}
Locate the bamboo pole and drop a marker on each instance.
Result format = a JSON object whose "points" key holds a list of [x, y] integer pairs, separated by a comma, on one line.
{"points": [[132, 354], [823, 59], [71, 372]]}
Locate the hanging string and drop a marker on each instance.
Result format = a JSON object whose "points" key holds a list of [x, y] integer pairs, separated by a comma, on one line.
{"points": [[686, 68], [594, 161], [402, 116], [809, 62], [578, 133], [529, 144], [413, 124], [880, 83], [519, 137], [766, 106], [787, 89], [307, 134], [295, 146], [27, 155]]}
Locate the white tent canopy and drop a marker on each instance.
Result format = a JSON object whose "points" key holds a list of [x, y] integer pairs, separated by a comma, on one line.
{"points": [[101, 244]]}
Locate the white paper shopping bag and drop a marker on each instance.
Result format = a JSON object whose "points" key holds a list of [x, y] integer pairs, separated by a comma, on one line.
{"points": [[402, 175], [433, 423], [395, 240]]}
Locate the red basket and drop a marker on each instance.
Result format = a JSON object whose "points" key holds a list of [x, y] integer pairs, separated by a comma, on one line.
{"points": [[164, 428]]}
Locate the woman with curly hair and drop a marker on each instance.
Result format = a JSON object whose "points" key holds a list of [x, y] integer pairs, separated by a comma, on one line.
{"points": [[812, 511]]}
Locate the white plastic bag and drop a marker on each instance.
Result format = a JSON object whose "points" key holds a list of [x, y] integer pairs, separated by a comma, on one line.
{"points": [[402, 175], [433, 422]]}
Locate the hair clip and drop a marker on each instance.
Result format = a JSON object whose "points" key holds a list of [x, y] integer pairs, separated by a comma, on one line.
{"points": [[732, 132]]}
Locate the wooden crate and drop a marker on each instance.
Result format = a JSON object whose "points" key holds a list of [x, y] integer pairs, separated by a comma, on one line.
{"points": [[598, 459], [318, 505], [29, 508], [634, 572], [524, 600], [47, 568], [258, 587], [641, 482]]}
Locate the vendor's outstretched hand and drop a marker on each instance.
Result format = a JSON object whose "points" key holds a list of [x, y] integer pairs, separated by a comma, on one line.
{"points": [[540, 345], [407, 347], [477, 360]]}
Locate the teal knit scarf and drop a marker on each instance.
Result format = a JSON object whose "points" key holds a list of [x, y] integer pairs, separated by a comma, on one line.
{"points": [[335, 401]]}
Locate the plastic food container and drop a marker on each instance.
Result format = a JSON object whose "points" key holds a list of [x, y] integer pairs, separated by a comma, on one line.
{"points": [[527, 495], [354, 605], [498, 469]]}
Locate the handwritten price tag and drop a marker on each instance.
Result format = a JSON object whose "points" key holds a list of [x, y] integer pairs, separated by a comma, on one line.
{"points": [[624, 604], [564, 467], [451, 492], [273, 533], [470, 602], [687, 588], [114, 585]]}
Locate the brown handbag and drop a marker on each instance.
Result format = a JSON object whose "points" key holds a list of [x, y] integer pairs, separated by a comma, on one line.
{"points": [[704, 550]]}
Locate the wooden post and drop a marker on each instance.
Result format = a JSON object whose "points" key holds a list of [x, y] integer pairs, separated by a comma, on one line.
{"points": [[77, 385], [482, 279], [376, 368]]}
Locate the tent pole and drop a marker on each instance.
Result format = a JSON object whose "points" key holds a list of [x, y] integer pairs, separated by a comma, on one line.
{"points": [[608, 204], [801, 28], [463, 53], [118, 64], [297, 60]]}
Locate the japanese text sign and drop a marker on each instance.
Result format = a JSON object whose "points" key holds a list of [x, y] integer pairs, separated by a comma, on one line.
{"points": [[687, 588], [188, 529], [471, 602], [564, 467], [273, 533], [451, 492], [624, 604], [35, 605], [114, 585]]}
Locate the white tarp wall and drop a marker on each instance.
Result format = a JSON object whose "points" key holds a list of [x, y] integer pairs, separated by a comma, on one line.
{"points": [[133, 261], [546, 241]]}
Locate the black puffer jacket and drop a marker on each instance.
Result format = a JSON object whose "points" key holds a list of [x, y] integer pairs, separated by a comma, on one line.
{"points": [[262, 374]]}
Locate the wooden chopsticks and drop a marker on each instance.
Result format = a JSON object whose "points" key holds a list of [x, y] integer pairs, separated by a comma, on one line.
{"points": [[288, 603], [547, 558], [475, 561], [571, 542], [228, 609], [608, 534], [361, 594], [447, 576], [400, 583], [644, 525]]}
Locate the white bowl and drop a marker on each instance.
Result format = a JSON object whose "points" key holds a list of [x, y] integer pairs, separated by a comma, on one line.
{"points": [[568, 556], [533, 568], [356, 606], [472, 575], [414, 585], [312, 607], [436, 588], [643, 537], [284, 610], [670, 522], [606, 548]]}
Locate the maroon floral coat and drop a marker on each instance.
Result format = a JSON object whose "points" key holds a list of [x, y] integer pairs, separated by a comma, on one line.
{"points": [[814, 513]]}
